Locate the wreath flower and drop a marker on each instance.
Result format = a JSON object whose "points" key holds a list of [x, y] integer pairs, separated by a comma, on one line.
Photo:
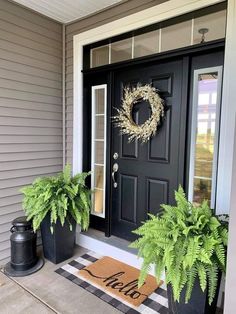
{"points": [[124, 118]]}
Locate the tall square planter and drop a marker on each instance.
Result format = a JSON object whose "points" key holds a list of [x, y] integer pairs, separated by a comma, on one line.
{"points": [[198, 303], [59, 246]]}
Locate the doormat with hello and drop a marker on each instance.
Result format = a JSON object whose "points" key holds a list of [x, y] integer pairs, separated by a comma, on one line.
{"points": [[116, 283]]}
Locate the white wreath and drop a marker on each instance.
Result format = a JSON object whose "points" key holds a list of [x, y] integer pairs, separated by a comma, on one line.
{"points": [[124, 118]]}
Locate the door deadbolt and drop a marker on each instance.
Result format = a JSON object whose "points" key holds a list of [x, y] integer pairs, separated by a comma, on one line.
{"points": [[115, 156]]}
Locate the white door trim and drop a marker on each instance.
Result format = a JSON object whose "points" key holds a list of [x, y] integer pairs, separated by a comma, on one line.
{"points": [[143, 18], [149, 16], [146, 17], [140, 19]]}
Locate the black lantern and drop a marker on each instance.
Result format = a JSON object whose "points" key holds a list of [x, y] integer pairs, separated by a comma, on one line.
{"points": [[24, 259]]}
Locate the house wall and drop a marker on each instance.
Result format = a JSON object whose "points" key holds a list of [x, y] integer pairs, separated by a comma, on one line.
{"points": [[72, 29], [30, 107]]}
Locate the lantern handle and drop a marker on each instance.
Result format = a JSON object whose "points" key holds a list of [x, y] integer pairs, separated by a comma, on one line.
{"points": [[13, 229]]}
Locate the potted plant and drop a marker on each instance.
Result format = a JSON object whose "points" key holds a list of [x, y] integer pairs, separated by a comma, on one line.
{"points": [[56, 204], [188, 243]]}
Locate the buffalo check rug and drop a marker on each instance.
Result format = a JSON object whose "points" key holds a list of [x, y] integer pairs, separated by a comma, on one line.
{"points": [[156, 302]]}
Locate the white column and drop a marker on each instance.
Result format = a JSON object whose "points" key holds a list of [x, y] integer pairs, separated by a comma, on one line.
{"points": [[230, 288], [228, 169], [226, 144]]}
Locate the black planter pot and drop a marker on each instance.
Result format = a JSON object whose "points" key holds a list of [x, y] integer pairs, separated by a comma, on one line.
{"points": [[59, 246], [198, 303]]}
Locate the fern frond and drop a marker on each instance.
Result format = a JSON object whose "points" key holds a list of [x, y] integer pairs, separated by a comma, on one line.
{"points": [[202, 274], [212, 274], [191, 276], [224, 236], [192, 252], [143, 274], [220, 253]]}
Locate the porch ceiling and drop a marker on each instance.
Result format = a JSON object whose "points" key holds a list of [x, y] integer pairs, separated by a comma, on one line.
{"points": [[66, 11]]}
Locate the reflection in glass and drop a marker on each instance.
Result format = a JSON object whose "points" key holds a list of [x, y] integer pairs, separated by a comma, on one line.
{"points": [[99, 177], [176, 36], [99, 129], [99, 152], [99, 56], [146, 44], [99, 101], [202, 190], [121, 50], [98, 202], [214, 22], [204, 137]]}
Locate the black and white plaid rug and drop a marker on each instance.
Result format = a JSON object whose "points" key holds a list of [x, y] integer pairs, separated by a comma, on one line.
{"points": [[156, 303]]}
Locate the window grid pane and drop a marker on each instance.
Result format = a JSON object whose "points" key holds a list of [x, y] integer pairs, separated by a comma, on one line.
{"points": [[176, 36], [121, 50], [146, 44], [99, 56]]}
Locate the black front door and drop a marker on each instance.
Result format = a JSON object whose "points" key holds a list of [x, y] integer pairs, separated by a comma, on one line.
{"points": [[148, 173]]}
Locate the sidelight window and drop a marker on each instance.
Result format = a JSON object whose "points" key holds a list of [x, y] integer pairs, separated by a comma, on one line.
{"points": [[204, 135], [98, 149]]}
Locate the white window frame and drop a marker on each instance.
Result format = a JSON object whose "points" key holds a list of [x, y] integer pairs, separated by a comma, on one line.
{"points": [[196, 74], [94, 88]]}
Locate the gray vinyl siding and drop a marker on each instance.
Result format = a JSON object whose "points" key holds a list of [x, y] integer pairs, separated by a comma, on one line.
{"points": [[106, 16], [30, 107]]}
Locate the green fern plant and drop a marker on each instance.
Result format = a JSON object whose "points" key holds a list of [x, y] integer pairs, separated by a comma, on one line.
{"points": [[62, 196], [186, 242]]}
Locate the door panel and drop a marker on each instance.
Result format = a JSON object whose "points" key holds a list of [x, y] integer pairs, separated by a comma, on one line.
{"points": [[148, 173], [128, 150], [128, 198], [157, 193], [159, 146]]}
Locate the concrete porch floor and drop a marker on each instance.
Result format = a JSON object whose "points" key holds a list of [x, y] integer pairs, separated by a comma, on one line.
{"points": [[47, 292]]}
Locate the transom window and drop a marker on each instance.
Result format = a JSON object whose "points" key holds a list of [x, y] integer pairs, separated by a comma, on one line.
{"points": [[195, 28]]}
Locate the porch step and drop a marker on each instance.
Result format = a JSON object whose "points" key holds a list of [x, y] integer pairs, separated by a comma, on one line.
{"points": [[112, 240], [114, 247]]}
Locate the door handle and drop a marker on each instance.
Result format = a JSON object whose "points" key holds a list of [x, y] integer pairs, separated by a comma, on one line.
{"points": [[114, 170]]}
